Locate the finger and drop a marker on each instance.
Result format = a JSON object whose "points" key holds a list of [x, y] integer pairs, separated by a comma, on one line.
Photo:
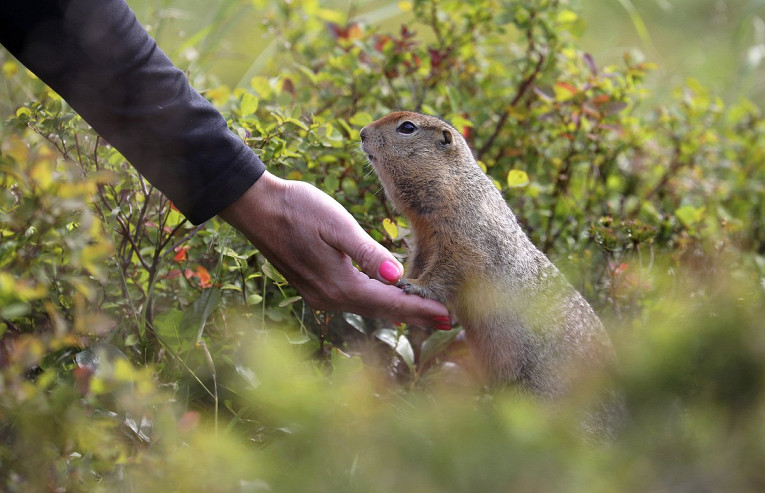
{"points": [[377, 300], [373, 259]]}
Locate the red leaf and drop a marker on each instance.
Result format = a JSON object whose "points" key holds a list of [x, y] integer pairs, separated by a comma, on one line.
{"points": [[82, 378], [288, 86], [189, 421], [381, 42]]}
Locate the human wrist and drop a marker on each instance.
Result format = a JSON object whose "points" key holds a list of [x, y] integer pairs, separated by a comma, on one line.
{"points": [[257, 201]]}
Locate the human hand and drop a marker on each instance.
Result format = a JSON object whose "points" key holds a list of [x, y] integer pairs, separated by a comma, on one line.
{"points": [[310, 238]]}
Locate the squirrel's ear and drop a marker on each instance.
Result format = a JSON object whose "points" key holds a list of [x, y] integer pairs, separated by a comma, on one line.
{"points": [[447, 137]]}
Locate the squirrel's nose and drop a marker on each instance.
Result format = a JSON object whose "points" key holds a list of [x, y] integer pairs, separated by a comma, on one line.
{"points": [[363, 133]]}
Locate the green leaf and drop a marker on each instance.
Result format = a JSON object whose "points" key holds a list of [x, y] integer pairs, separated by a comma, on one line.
{"points": [[228, 252], [290, 301], [312, 77], [194, 320], [331, 183], [273, 274], [356, 321], [435, 344], [344, 364], [689, 215], [361, 119], [169, 330], [388, 336], [404, 349], [298, 339], [249, 104]]}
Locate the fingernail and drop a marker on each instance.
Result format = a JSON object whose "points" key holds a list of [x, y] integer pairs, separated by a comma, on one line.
{"points": [[389, 271], [443, 327], [445, 320], [397, 324]]}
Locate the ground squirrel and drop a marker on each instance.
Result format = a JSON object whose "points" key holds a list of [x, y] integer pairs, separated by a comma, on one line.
{"points": [[523, 320]]}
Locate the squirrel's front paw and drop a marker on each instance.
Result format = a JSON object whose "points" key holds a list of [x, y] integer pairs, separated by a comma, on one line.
{"points": [[411, 288]]}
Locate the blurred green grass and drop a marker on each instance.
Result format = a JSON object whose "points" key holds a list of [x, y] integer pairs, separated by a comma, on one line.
{"points": [[719, 42]]}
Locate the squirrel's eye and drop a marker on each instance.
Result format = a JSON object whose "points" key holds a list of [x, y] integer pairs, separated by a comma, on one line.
{"points": [[406, 128]]}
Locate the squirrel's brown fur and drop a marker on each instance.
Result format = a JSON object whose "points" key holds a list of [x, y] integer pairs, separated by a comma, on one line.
{"points": [[523, 320]]}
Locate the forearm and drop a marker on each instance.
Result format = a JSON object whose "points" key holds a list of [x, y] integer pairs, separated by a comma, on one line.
{"points": [[97, 56]]}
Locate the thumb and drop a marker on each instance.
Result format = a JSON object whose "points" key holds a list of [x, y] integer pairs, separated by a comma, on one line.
{"points": [[373, 259]]}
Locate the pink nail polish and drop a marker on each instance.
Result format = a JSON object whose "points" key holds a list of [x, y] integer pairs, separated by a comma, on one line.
{"points": [[443, 327], [445, 320], [389, 271]]}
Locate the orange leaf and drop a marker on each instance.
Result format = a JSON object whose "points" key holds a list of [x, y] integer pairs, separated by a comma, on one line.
{"points": [[355, 32], [204, 277], [180, 254]]}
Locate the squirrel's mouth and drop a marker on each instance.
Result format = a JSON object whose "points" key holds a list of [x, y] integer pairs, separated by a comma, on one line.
{"points": [[369, 154]]}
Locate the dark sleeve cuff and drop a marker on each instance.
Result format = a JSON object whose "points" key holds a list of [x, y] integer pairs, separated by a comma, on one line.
{"points": [[243, 173]]}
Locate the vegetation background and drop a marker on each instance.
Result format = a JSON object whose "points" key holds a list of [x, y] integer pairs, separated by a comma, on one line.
{"points": [[138, 352]]}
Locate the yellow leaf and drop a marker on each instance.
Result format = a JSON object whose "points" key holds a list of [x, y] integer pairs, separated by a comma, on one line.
{"points": [[218, 95], [42, 174], [53, 95], [330, 15], [355, 32], [27, 290], [15, 146], [517, 178], [564, 91], [9, 68], [262, 85], [567, 16], [390, 228], [23, 111]]}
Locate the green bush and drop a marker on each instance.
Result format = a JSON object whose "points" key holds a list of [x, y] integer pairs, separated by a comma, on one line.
{"points": [[140, 352]]}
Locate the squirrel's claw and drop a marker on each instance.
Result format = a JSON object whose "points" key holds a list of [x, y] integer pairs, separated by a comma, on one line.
{"points": [[411, 287]]}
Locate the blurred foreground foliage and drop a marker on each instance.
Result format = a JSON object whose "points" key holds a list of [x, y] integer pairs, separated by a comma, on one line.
{"points": [[138, 352]]}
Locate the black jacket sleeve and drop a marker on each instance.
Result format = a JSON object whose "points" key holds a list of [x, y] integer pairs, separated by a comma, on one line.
{"points": [[98, 57]]}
